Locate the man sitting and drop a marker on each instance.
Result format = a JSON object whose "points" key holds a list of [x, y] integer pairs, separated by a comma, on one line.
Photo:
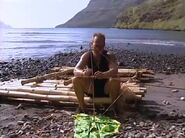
{"points": [[102, 66]]}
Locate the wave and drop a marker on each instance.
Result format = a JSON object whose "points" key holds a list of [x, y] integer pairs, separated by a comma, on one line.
{"points": [[38, 33], [149, 42], [40, 41], [45, 47]]}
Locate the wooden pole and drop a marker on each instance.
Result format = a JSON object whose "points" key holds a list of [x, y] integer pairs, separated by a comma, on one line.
{"points": [[47, 76], [37, 91]]}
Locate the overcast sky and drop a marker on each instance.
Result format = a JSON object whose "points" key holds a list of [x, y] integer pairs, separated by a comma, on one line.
{"points": [[39, 13]]}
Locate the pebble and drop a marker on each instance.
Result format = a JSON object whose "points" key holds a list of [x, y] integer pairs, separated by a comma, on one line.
{"points": [[4, 136], [26, 68], [20, 122], [175, 90], [165, 102], [171, 84], [20, 106], [182, 98]]}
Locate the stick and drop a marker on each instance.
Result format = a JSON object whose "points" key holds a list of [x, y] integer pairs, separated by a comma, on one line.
{"points": [[37, 91], [46, 76]]}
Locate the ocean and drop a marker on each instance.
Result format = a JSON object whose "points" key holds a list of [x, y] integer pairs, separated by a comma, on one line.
{"points": [[44, 42]]}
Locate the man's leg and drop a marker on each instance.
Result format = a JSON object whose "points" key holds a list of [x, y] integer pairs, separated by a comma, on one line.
{"points": [[112, 87], [81, 85]]}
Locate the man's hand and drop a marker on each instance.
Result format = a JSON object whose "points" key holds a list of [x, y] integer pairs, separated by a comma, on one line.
{"points": [[99, 75], [87, 72]]}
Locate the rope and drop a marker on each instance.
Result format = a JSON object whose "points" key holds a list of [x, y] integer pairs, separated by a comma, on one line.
{"points": [[112, 103], [92, 82]]}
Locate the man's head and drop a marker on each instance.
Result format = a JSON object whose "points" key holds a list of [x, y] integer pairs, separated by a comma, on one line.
{"points": [[98, 42]]}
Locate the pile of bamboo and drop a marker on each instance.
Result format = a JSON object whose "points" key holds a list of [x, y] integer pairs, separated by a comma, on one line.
{"points": [[56, 86]]}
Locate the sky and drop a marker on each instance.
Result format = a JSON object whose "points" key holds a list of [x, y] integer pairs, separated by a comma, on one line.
{"points": [[39, 13]]}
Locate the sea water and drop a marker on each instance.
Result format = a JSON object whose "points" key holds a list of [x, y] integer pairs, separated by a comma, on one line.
{"points": [[44, 42]]}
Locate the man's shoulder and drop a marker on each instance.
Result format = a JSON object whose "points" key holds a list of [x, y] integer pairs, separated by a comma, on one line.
{"points": [[86, 54]]}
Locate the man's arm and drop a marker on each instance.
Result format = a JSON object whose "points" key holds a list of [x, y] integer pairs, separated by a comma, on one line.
{"points": [[81, 67], [113, 67]]}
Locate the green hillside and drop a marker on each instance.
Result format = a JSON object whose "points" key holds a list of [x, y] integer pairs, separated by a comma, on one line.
{"points": [[154, 14]]}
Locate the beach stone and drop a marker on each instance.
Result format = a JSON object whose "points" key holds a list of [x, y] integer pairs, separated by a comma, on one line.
{"points": [[151, 136], [169, 135], [20, 106], [20, 122], [165, 102], [182, 98], [142, 124], [20, 132], [171, 84], [139, 135], [4, 136], [172, 128], [175, 90]]}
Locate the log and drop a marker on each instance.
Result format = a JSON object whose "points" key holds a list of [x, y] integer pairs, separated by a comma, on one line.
{"points": [[120, 70], [37, 91], [147, 74], [55, 86], [128, 72], [46, 76], [17, 94], [63, 98], [40, 101]]}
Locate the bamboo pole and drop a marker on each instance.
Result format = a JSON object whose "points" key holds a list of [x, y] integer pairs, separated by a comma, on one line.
{"points": [[37, 91], [17, 94], [121, 70], [55, 86], [133, 71], [46, 76], [121, 73], [64, 98]]}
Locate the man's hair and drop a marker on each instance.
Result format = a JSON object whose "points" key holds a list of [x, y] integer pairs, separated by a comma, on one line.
{"points": [[100, 35]]}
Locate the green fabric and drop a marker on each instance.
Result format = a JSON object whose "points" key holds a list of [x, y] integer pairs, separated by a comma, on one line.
{"points": [[88, 126]]}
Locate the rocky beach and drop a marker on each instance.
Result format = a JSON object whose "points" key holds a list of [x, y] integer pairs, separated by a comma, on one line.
{"points": [[160, 114], [161, 62]]}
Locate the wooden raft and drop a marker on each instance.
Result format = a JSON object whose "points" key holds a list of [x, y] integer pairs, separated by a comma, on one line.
{"points": [[57, 86]]}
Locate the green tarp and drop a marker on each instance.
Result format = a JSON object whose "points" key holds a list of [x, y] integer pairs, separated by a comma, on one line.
{"points": [[88, 126]]}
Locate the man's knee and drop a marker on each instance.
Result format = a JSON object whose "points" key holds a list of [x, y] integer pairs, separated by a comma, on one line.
{"points": [[77, 80]]}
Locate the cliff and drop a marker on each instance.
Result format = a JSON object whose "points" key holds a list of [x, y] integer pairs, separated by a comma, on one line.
{"points": [[99, 13]]}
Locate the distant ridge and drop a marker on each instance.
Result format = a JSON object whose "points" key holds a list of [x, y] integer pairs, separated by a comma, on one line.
{"points": [[99, 13], [131, 14], [2, 25]]}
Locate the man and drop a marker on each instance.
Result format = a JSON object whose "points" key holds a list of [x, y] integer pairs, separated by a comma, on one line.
{"points": [[100, 64]]}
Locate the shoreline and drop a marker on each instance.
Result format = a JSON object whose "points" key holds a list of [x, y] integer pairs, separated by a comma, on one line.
{"points": [[126, 57], [162, 47]]}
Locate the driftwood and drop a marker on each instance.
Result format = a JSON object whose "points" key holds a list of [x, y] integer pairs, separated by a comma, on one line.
{"points": [[123, 75], [47, 76], [38, 91], [64, 98]]}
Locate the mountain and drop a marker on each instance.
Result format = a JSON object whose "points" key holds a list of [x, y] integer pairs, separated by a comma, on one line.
{"points": [[2, 25], [154, 14], [99, 13]]}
